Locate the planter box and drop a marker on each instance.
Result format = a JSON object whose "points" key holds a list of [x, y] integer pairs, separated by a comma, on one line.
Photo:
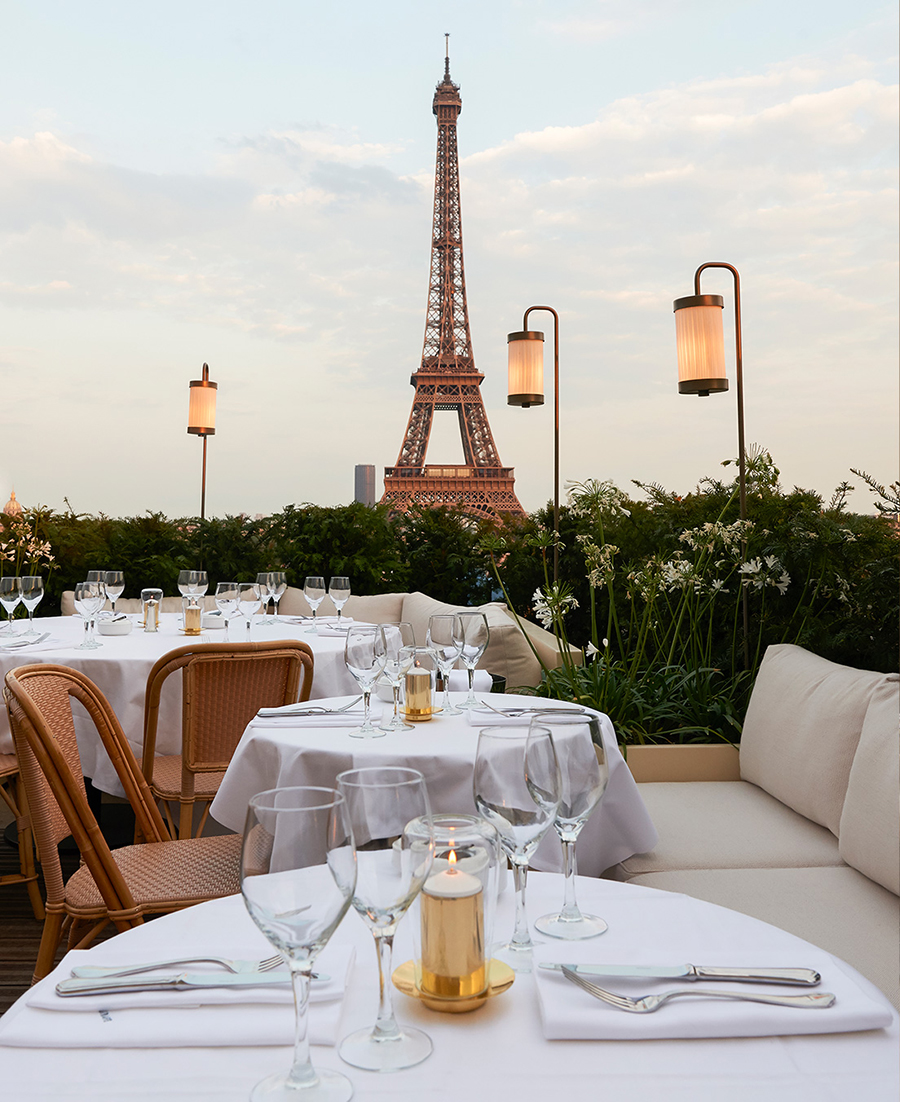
{"points": [[713, 762]]}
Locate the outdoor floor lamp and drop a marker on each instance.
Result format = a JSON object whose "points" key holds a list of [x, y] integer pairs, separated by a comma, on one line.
{"points": [[526, 388], [202, 421], [700, 338]]}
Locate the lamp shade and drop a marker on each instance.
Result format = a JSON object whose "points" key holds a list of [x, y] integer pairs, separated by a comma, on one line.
{"points": [[202, 408], [700, 338], [526, 368]]}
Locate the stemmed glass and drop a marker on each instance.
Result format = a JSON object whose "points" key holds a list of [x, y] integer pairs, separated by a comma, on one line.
{"points": [[584, 773], [314, 592], [10, 595], [339, 592], [476, 636], [445, 641], [115, 586], [88, 600], [227, 601], [192, 583], [365, 657], [265, 593], [249, 602], [399, 655], [98, 577], [517, 789], [298, 874], [392, 865], [32, 592], [277, 586]]}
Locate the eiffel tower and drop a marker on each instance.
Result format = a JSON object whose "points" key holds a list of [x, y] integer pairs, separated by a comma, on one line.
{"points": [[447, 378]]}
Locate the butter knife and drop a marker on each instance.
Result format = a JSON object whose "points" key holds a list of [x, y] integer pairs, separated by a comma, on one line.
{"points": [[802, 977], [180, 981]]}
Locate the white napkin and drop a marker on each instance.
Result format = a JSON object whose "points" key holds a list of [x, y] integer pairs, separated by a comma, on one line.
{"points": [[459, 681], [351, 718], [487, 717], [568, 1013], [330, 628], [15, 646], [214, 1016]]}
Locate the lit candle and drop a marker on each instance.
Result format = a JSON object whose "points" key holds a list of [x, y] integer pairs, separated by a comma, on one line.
{"points": [[452, 907], [418, 695], [192, 619]]}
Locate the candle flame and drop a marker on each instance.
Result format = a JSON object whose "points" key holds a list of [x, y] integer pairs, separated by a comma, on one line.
{"points": [[451, 859]]}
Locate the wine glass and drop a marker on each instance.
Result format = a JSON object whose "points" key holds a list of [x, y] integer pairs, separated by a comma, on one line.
{"points": [[445, 641], [399, 654], [339, 592], [277, 586], [476, 636], [115, 586], [392, 865], [88, 600], [10, 595], [314, 592], [98, 577], [365, 657], [249, 602], [584, 773], [32, 593], [265, 593], [516, 787], [227, 601], [298, 873], [193, 583]]}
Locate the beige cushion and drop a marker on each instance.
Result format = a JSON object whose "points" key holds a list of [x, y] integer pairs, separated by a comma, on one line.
{"points": [[870, 823], [508, 654], [129, 604], [726, 825], [837, 908], [801, 730]]}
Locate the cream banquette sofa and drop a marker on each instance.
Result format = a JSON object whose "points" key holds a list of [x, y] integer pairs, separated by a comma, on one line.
{"points": [[809, 838]]}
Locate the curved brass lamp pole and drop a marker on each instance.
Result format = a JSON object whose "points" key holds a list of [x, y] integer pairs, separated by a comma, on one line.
{"points": [[526, 367], [701, 367]]}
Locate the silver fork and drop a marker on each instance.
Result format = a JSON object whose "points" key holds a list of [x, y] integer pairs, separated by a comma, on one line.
{"points": [[238, 967], [511, 712], [649, 1003]]}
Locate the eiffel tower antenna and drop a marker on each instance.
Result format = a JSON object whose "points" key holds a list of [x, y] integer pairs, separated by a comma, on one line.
{"points": [[447, 379]]}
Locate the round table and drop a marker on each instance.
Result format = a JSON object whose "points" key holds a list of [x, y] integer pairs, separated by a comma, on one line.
{"points": [[500, 1050], [120, 666], [443, 750]]}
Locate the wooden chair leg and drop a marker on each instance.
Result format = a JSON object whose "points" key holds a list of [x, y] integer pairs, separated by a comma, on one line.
{"points": [[52, 935], [186, 820], [26, 853]]}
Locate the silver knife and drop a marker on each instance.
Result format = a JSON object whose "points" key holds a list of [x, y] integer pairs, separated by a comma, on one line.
{"points": [[802, 977], [180, 981]]}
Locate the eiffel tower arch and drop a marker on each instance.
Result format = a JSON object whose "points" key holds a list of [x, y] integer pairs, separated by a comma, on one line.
{"points": [[447, 379]]}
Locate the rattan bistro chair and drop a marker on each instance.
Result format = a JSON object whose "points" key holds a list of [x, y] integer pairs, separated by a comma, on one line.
{"points": [[12, 792], [223, 687], [122, 885]]}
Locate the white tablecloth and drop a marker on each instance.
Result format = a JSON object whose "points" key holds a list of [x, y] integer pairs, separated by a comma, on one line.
{"points": [[499, 1051], [120, 668], [443, 749]]}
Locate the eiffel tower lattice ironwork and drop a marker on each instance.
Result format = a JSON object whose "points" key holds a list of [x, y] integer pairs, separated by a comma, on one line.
{"points": [[447, 378]]}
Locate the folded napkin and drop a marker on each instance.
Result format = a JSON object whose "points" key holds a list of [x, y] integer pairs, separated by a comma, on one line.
{"points": [[351, 718], [20, 646], [570, 1014], [329, 628], [214, 1016], [459, 681]]}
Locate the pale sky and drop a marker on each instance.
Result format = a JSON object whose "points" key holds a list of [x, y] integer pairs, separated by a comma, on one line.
{"points": [[251, 185]]}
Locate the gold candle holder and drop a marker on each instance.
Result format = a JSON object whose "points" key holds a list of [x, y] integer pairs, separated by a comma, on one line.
{"points": [[418, 703], [192, 618], [452, 917]]}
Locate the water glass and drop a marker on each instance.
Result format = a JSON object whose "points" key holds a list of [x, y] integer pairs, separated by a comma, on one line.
{"points": [[314, 592], [227, 601], [248, 602], [445, 641], [399, 644], [364, 656], [339, 592], [476, 636], [88, 601], [115, 586], [298, 875], [10, 595]]}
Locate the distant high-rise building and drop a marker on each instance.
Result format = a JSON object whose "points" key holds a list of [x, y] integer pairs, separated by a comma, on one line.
{"points": [[447, 378], [364, 488]]}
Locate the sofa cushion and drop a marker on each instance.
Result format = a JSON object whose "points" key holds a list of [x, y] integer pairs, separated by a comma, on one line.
{"points": [[726, 825], [838, 909], [376, 608], [870, 823], [801, 730], [507, 655]]}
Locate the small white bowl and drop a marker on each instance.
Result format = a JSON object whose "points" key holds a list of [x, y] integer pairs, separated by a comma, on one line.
{"points": [[114, 627], [212, 620]]}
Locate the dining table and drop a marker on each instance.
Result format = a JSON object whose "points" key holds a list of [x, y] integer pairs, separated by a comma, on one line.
{"points": [[283, 750], [120, 665], [541, 1040]]}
